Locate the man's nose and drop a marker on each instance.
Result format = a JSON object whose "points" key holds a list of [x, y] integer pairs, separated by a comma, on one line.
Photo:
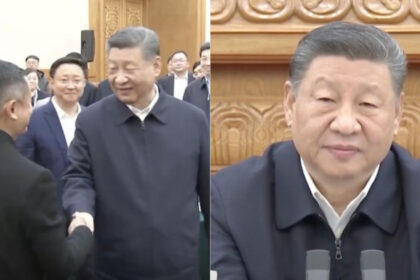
{"points": [[120, 78], [346, 121]]}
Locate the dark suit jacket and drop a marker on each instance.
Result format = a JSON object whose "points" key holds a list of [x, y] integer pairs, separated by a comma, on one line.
{"points": [[264, 219], [45, 144], [142, 186], [90, 95], [32, 234], [197, 93], [167, 82], [104, 89]]}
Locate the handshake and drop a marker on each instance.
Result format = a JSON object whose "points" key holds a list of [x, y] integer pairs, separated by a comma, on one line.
{"points": [[81, 219]]}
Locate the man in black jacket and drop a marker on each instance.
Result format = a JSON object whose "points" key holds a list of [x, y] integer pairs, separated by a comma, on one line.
{"points": [[32, 234]]}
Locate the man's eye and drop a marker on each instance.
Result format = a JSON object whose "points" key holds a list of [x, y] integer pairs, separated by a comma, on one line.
{"points": [[368, 105], [325, 99]]}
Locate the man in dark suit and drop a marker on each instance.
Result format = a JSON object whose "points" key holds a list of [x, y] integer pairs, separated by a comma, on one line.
{"points": [[175, 84], [51, 128], [341, 190], [32, 236], [198, 92], [104, 89], [126, 169]]}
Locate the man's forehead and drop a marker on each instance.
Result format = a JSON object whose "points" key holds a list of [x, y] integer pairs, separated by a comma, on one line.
{"points": [[72, 68], [179, 55]]}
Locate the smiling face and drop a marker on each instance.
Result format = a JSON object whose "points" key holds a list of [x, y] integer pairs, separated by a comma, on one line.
{"points": [[132, 77], [68, 83], [343, 116]]}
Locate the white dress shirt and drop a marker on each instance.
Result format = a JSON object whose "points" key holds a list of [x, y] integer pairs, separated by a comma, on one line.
{"points": [[336, 222], [142, 113], [68, 123], [180, 83]]}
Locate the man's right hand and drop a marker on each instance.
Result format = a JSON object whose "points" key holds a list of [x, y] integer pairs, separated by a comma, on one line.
{"points": [[81, 219]]}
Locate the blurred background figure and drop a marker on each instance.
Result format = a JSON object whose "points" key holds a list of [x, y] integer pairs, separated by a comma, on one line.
{"points": [[33, 82], [198, 92], [197, 73], [32, 62], [175, 84]]}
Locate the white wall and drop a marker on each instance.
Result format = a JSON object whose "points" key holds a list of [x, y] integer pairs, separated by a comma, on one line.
{"points": [[47, 28]]}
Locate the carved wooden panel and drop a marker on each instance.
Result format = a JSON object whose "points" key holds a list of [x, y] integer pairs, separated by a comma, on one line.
{"points": [[134, 13], [241, 129], [381, 11], [319, 11], [372, 11], [266, 10], [222, 10]]}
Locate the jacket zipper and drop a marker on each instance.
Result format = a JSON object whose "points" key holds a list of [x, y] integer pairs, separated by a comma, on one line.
{"points": [[338, 255], [337, 241]]}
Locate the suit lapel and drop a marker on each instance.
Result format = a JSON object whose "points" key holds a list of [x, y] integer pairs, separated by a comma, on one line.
{"points": [[51, 117]]}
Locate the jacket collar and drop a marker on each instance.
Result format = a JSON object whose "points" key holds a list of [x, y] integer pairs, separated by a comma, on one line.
{"points": [[6, 138], [123, 113], [294, 201]]}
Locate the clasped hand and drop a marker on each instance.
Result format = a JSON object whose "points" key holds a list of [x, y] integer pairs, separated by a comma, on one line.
{"points": [[81, 219]]}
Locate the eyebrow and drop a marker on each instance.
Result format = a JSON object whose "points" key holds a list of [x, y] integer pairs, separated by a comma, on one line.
{"points": [[363, 87]]}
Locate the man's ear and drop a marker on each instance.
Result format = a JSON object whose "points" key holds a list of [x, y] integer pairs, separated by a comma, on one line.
{"points": [[157, 65], [288, 102], [9, 109], [398, 112]]}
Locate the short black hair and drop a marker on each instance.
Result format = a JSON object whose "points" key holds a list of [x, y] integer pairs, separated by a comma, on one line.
{"points": [[12, 82], [196, 64], [205, 46], [79, 56], [67, 60], [32, 56], [175, 52]]}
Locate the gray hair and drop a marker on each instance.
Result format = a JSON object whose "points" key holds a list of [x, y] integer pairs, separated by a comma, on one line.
{"points": [[13, 84], [353, 41], [131, 37]]}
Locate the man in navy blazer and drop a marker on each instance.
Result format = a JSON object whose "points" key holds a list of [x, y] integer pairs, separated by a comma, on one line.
{"points": [[126, 169], [51, 127], [198, 92], [341, 190], [176, 83]]}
